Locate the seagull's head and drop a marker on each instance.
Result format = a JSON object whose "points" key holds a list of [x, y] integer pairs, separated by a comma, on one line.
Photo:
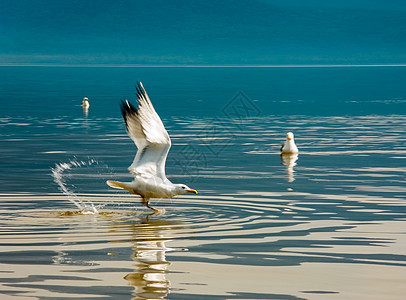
{"points": [[85, 99], [183, 189], [289, 136]]}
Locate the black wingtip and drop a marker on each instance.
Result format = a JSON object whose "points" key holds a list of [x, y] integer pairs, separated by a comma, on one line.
{"points": [[127, 109]]}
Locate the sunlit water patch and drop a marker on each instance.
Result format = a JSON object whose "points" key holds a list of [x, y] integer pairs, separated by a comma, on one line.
{"points": [[278, 235]]}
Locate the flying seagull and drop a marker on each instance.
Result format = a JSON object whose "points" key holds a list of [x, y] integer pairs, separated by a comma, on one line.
{"points": [[147, 131], [289, 147]]}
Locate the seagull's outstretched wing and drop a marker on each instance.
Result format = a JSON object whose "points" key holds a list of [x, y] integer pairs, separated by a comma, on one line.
{"points": [[147, 131]]}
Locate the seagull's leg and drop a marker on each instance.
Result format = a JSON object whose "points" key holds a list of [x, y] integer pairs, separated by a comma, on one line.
{"points": [[147, 205], [145, 201]]}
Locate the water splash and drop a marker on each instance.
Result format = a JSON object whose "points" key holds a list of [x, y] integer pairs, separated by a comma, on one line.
{"points": [[60, 174]]}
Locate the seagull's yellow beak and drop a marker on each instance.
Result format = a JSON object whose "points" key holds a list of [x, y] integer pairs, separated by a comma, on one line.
{"points": [[192, 191]]}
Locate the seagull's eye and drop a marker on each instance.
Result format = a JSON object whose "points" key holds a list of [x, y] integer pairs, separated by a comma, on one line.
{"points": [[183, 187]]}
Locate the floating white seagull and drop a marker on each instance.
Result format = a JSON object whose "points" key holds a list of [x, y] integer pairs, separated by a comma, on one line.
{"points": [[147, 131], [289, 147], [85, 102]]}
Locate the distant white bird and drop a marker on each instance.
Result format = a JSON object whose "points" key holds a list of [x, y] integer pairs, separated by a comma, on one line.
{"points": [[85, 102], [289, 147], [147, 131]]}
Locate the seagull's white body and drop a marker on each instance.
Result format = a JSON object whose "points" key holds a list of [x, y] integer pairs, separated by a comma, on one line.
{"points": [[147, 131], [289, 146], [85, 103]]}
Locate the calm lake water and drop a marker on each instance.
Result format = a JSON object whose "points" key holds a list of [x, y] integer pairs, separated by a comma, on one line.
{"points": [[329, 223]]}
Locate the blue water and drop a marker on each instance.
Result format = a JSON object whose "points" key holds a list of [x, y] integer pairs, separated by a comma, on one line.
{"points": [[328, 222], [197, 92]]}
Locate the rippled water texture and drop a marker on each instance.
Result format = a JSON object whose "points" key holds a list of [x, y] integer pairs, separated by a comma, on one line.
{"points": [[328, 223]]}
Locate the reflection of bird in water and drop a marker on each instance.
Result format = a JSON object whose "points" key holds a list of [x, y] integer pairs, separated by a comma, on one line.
{"points": [[149, 278], [289, 160], [289, 145], [85, 106], [153, 142], [149, 240]]}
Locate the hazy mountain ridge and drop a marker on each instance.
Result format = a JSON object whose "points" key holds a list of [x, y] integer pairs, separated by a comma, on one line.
{"points": [[201, 32]]}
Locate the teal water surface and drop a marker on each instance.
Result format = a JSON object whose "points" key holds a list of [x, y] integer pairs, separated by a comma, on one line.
{"points": [[328, 223]]}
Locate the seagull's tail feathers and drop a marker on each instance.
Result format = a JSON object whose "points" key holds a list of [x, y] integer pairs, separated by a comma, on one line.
{"points": [[119, 185]]}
